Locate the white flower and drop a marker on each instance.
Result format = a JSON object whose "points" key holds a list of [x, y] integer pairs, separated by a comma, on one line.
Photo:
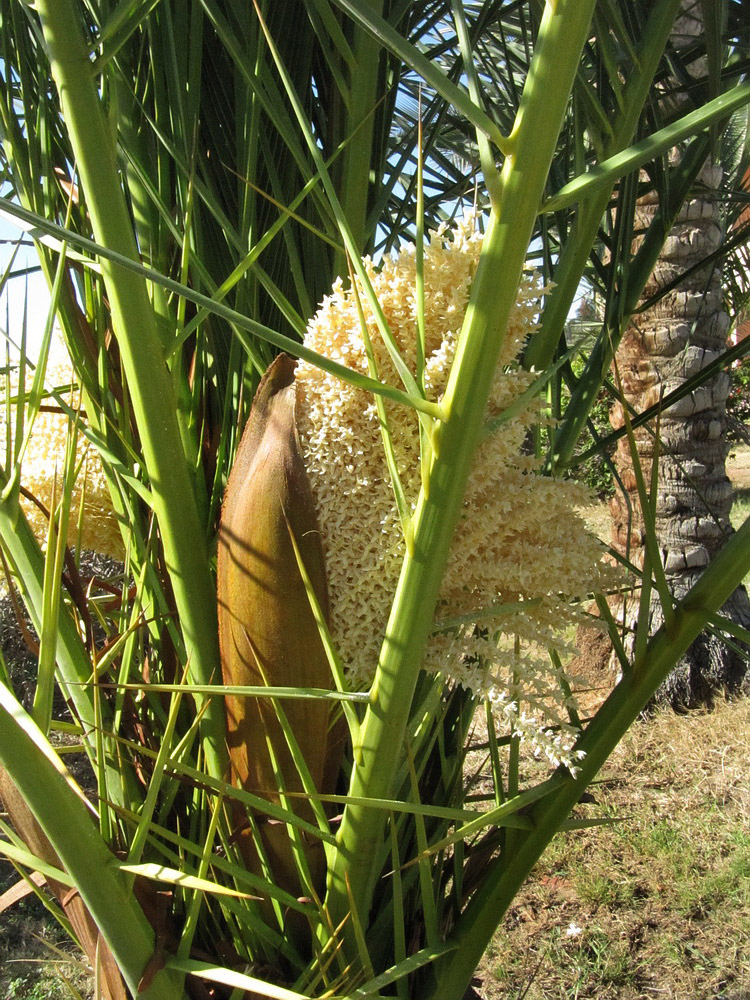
{"points": [[520, 545]]}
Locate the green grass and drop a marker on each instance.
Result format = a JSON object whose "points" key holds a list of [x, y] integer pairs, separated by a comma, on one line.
{"points": [[37, 959], [658, 903]]}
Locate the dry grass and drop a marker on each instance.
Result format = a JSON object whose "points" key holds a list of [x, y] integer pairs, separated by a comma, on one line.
{"points": [[658, 903], [738, 467]]}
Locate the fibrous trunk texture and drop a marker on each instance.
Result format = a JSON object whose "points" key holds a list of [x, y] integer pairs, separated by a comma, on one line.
{"points": [[665, 345]]}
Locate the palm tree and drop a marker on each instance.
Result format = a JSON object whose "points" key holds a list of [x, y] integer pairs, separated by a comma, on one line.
{"points": [[196, 176], [680, 328]]}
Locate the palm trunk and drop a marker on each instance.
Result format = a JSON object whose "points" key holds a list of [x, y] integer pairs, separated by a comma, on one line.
{"points": [[665, 345]]}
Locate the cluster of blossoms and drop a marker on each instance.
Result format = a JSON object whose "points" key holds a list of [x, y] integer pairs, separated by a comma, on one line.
{"points": [[43, 462], [522, 557]]}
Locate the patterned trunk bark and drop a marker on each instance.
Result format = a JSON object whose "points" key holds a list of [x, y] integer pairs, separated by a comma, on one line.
{"points": [[664, 346]]}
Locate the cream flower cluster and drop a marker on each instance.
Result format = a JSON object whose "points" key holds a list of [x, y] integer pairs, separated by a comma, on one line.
{"points": [[44, 461], [521, 556]]}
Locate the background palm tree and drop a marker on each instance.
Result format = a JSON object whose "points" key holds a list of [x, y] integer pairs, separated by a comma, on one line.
{"points": [[680, 327]]}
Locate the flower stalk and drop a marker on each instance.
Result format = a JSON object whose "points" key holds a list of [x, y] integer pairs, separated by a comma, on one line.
{"points": [[562, 34]]}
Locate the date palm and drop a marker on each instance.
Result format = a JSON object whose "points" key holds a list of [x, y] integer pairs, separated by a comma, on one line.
{"points": [[197, 175]]}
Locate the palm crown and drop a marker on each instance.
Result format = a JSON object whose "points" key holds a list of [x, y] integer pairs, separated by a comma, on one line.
{"points": [[202, 173]]}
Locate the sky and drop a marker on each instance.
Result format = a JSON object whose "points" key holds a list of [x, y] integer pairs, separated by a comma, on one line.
{"points": [[30, 288]]}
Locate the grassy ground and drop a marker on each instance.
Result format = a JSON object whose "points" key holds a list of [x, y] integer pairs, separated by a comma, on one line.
{"points": [[37, 960], [656, 905]]}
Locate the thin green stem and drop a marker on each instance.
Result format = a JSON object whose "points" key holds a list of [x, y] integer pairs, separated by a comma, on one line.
{"points": [[563, 32], [593, 204], [641, 268], [21, 549], [356, 160], [411, 56], [490, 171], [238, 321], [605, 174], [142, 354], [68, 825]]}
